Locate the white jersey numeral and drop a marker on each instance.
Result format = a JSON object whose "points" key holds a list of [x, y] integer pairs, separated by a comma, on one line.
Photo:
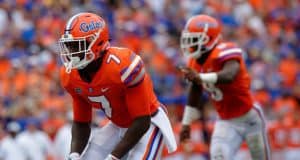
{"points": [[215, 93], [104, 103], [114, 58]]}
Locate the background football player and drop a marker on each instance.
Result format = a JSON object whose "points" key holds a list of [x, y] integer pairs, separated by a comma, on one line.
{"points": [[218, 68], [114, 80]]}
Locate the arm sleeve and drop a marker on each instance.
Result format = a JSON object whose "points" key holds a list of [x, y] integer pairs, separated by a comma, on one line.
{"points": [[137, 85], [82, 111], [230, 53], [138, 99], [133, 72], [134, 78]]}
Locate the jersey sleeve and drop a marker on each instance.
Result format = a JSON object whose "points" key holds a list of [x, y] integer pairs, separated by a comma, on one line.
{"points": [[82, 111], [133, 72], [229, 51], [138, 99], [137, 85]]}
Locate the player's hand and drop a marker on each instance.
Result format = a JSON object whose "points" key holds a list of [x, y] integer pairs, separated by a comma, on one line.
{"points": [[73, 156], [185, 133], [111, 157], [190, 74]]}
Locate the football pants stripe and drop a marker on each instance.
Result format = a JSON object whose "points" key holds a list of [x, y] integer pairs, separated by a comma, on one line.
{"points": [[150, 143], [154, 147], [159, 147], [266, 144]]}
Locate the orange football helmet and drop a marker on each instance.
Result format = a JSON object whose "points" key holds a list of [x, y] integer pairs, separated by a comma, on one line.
{"points": [[84, 39], [200, 35]]}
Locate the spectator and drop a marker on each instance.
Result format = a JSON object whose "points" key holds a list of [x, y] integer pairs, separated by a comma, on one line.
{"points": [[39, 142], [62, 140], [10, 149]]}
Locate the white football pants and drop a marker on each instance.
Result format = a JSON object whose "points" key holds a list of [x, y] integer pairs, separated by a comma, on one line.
{"points": [[228, 136], [105, 139]]}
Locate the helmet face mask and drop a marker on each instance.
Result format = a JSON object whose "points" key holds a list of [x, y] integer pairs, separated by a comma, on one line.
{"points": [[75, 53], [81, 42], [193, 44]]}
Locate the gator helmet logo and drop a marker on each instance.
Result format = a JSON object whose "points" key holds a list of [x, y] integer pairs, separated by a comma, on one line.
{"points": [[86, 27]]}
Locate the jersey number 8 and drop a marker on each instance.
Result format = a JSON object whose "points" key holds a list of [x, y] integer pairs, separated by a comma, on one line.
{"points": [[215, 93]]}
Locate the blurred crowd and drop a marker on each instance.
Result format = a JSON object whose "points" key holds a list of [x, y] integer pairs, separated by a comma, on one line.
{"points": [[35, 111]]}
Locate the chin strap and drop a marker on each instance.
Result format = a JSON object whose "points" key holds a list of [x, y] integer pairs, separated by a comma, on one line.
{"points": [[70, 64], [69, 68]]}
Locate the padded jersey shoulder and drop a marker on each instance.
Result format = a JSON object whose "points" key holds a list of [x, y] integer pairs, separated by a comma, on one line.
{"points": [[126, 64]]}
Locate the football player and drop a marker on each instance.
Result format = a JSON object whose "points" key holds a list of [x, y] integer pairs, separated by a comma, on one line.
{"points": [[218, 68], [113, 79]]}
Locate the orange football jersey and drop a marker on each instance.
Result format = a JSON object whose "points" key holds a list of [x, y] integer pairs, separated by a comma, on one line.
{"points": [[121, 88], [232, 99]]}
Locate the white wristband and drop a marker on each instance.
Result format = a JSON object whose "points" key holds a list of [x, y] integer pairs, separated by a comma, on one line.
{"points": [[190, 114], [74, 156], [111, 157], [209, 77]]}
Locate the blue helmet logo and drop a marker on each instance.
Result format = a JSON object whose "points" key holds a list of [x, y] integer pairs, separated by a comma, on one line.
{"points": [[86, 27]]}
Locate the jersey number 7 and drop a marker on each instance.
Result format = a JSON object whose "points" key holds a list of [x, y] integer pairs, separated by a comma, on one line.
{"points": [[102, 99], [104, 103]]}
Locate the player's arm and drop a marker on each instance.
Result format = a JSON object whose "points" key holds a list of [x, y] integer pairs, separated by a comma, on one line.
{"points": [[82, 115], [192, 110], [229, 71], [225, 75], [80, 136], [138, 105], [137, 97], [132, 136], [81, 130]]}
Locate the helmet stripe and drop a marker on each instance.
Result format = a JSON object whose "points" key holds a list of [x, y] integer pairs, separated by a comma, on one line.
{"points": [[205, 27], [69, 23]]}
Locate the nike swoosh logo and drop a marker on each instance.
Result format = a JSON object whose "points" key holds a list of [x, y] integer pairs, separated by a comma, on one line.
{"points": [[104, 89]]}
